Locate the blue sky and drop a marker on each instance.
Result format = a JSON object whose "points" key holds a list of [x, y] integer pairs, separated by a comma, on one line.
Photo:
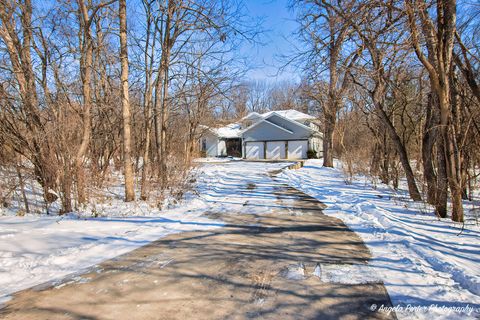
{"points": [[279, 25]]}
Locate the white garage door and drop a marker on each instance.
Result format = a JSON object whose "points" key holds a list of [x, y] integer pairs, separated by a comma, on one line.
{"points": [[254, 150], [297, 149], [276, 150]]}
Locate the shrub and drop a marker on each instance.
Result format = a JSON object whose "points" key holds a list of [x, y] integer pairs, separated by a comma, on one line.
{"points": [[312, 154]]}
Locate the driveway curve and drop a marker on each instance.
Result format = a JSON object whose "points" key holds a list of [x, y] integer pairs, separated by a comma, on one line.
{"points": [[258, 266]]}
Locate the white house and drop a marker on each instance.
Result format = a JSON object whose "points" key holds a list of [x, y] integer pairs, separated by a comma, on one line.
{"points": [[285, 134]]}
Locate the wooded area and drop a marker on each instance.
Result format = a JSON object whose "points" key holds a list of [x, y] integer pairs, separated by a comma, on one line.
{"points": [[398, 85], [70, 109], [89, 87]]}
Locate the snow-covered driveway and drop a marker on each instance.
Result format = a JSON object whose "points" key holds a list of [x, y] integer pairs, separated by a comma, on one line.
{"points": [[275, 257], [38, 249]]}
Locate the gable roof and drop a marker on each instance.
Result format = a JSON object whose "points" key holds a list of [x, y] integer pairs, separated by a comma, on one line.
{"points": [[290, 114], [234, 130], [274, 113]]}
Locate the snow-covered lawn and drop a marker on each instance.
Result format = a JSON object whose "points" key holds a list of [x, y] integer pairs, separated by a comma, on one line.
{"points": [[35, 249], [426, 263], [39, 248]]}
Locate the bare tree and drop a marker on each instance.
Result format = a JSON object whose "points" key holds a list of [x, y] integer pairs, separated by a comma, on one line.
{"points": [[439, 35], [325, 34], [86, 15], [127, 138], [376, 34], [24, 125]]}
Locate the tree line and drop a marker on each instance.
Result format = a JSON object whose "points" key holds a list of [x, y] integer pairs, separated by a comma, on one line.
{"points": [[92, 86], [87, 85], [397, 83]]}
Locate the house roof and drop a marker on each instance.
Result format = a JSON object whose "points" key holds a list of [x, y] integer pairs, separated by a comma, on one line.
{"points": [[270, 114], [290, 114], [252, 116], [229, 131], [234, 130]]}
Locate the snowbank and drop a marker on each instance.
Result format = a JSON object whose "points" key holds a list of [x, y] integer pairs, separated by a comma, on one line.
{"points": [[36, 249], [424, 261]]}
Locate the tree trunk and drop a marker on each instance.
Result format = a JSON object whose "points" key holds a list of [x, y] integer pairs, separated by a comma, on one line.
{"points": [[163, 130], [127, 138], [329, 128], [66, 189], [451, 165], [441, 193], [146, 151], [439, 35], [402, 153], [22, 188], [86, 73], [157, 115], [147, 104], [428, 142], [385, 164]]}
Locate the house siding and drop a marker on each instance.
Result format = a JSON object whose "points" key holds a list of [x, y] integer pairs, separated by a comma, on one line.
{"points": [[270, 138], [268, 132], [316, 144], [211, 145], [222, 148]]}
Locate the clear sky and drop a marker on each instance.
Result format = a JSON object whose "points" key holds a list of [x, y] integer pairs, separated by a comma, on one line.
{"points": [[279, 25]]}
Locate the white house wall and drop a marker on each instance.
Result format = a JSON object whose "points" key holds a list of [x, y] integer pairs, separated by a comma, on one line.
{"points": [[221, 148], [316, 144], [211, 144]]}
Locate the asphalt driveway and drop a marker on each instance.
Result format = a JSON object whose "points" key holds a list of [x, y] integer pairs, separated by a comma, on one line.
{"points": [[262, 266]]}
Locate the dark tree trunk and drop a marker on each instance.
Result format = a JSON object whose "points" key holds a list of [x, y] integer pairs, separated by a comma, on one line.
{"points": [[441, 195], [428, 142], [385, 166], [329, 127], [402, 153]]}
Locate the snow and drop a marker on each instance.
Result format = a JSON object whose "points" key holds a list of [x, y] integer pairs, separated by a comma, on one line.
{"points": [[294, 272], [35, 249], [229, 131], [252, 116], [216, 159], [423, 261], [290, 114], [229, 187], [38, 248]]}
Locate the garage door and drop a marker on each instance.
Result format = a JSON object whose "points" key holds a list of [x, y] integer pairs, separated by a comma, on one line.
{"points": [[276, 150], [254, 150], [297, 149]]}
